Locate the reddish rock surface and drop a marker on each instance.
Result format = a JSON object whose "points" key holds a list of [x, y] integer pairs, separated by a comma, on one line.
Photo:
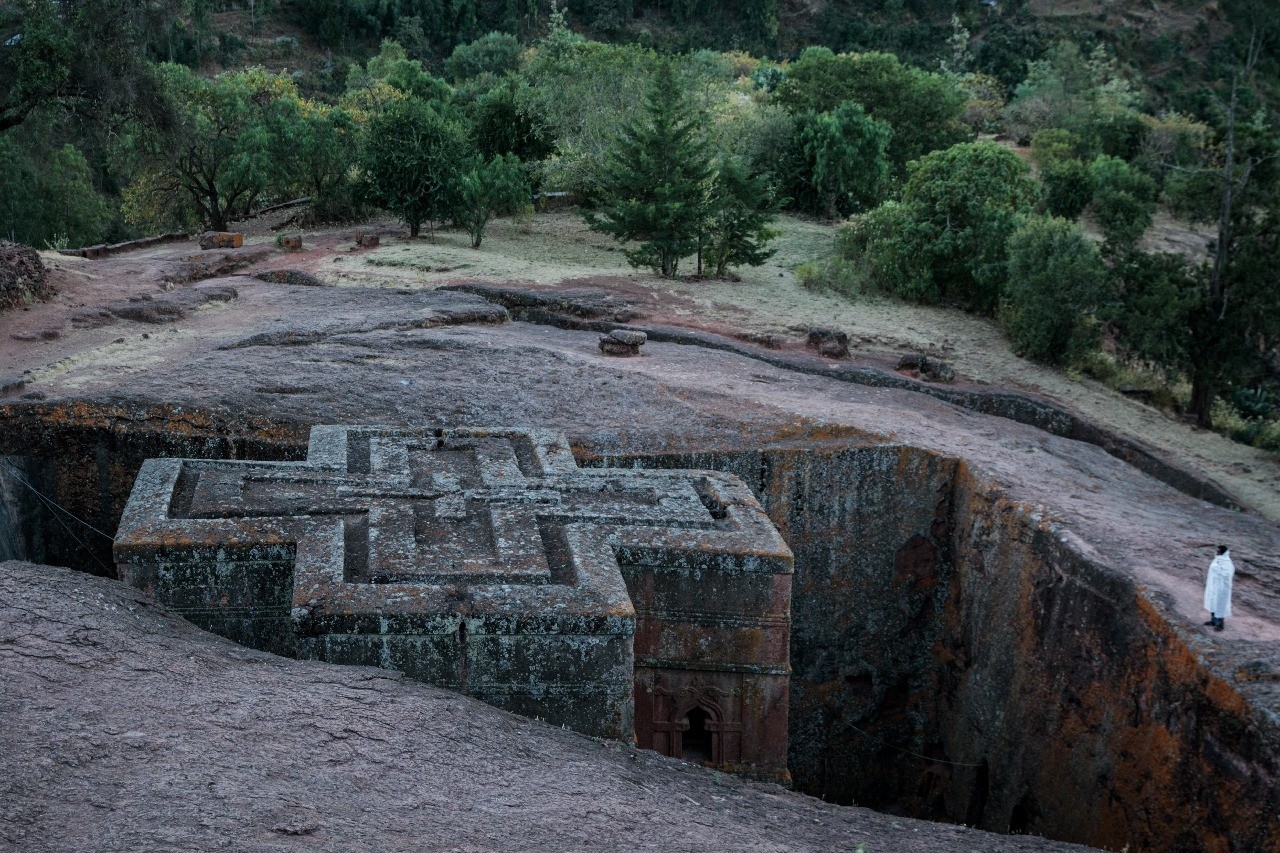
{"points": [[1017, 605], [125, 728], [221, 240]]}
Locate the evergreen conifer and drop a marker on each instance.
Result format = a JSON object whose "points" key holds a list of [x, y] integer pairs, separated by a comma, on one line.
{"points": [[654, 190]]}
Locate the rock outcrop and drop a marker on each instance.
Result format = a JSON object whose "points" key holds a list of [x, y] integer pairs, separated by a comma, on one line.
{"points": [[22, 276], [996, 612]]}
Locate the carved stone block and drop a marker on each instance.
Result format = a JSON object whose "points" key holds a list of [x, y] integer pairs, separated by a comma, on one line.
{"points": [[485, 561], [221, 240]]}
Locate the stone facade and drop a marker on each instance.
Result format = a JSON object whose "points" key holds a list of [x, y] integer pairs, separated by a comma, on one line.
{"points": [[614, 602]]}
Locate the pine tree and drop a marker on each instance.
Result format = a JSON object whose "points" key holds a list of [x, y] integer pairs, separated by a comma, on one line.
{"points": [[655, 182]]}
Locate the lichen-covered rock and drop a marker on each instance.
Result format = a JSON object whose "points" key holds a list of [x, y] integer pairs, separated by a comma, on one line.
{"points": [[919, 364], [290, 242], [832, 343], [298, 277], [23, 278], [623, 342], [221, 240]]}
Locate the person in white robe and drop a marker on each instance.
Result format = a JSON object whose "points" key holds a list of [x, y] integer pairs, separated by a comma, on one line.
{"points": [[1217, 588]]}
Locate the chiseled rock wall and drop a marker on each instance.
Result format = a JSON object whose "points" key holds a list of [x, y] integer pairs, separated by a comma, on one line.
{"points": [[952, 656], [955, 658], [86, 456], [1091, 718], [868, 527]]}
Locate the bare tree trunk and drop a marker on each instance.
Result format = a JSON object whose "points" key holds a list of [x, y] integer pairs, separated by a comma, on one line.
{"points": [[1203, 390], [1204, 377]]}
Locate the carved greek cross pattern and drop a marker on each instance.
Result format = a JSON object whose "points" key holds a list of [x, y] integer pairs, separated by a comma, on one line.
{"points": [[485, 561], [459, 510], [417, 509]]}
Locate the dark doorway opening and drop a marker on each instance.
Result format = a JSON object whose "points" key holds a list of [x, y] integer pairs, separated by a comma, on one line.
{"points": [[695, 743]]}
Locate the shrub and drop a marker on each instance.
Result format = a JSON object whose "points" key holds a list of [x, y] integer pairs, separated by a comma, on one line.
{"points": [[1152, 315], [833, 274], [884, 248], [1056, 280], [922, 108], [1254, 402], [845, 169], [1054, 145], [47, 198], [967, 200], [1268, 437], [495, 53], [499, 187], [1068, 188], [1123, 199]]}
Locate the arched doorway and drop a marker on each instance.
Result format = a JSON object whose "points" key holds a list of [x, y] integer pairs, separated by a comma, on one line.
{"points": [[698, 741]]}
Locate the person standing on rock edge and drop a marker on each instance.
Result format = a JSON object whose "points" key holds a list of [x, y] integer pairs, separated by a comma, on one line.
{"points": [[1217, 588]]}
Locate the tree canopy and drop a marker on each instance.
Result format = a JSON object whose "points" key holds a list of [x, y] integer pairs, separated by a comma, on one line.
{"points": [[654, 184], [921, 108]]}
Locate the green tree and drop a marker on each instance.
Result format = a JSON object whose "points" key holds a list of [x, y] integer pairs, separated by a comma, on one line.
{"points": [[485, 190], [1218, 322], [654, 185], [846, 169], [500, 126], [1068, 188], [922, 108], [411, 158], [1123, 199], [1152, 312], [888, 250], [967, 201], [219, 156], [1056, 284], [317, 144], [84, 56], [48, 198], [1055, 145], [582, 92], [741, 209], [947, 239], [1089, 96], [1237, 317], [393, 66], [495, 53]]}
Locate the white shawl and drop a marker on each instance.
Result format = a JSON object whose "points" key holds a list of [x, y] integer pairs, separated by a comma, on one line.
{"points": [[1217, 586]]}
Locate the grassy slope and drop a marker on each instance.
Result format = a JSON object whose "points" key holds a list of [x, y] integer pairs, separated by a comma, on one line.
{"points": [[557, 247]]}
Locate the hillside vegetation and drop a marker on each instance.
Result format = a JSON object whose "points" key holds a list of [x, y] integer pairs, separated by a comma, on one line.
{"points": [[1004, 158]]}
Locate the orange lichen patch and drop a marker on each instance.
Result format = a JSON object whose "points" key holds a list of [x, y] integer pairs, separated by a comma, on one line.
{"points": [[173, 421]]}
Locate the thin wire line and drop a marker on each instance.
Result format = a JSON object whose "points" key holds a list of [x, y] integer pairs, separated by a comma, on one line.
{"points": [[909, 752], [24, 481], [72, 534]]}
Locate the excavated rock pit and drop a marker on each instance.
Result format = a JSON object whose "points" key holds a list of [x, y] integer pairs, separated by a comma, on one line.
{"points": [[992, 625]]}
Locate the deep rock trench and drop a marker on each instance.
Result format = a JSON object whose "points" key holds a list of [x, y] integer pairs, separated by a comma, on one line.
{"points": [[953, 656]]}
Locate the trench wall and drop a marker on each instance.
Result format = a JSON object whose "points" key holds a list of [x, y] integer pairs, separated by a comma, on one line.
{"points": [[1091, 720], [84, 458], [868, 526], [952, 657]]}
